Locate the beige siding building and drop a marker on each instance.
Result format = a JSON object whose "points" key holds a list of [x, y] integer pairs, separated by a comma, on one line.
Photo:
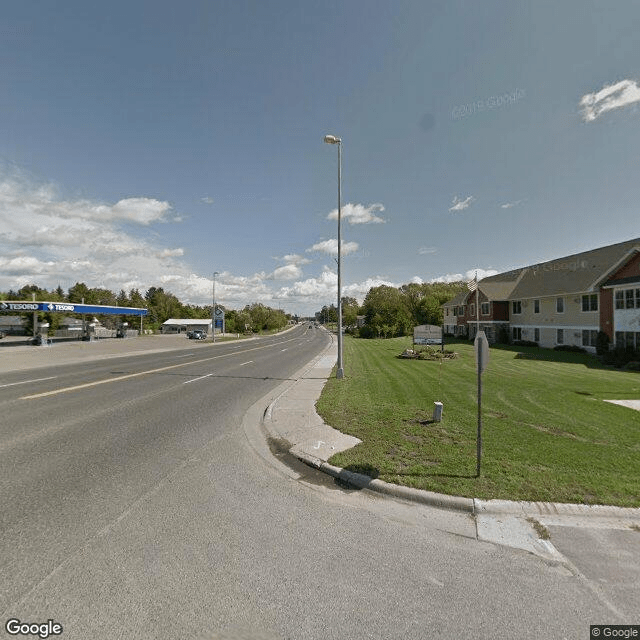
{"points": [[567, 301]]}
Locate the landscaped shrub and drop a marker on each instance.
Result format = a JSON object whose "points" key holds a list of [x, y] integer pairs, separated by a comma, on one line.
{"points": [[621, 356], [524, 343], [570, 347], [602, 343], [428, 353]]}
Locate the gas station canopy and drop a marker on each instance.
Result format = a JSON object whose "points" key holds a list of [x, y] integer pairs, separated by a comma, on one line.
{"points": [[68, 307]]}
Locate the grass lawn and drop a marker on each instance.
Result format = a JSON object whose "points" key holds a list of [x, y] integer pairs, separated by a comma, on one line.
{"points": [[547, 433]]}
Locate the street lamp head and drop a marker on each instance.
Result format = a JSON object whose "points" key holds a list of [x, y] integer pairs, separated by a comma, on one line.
{"points": [[332, 140]]}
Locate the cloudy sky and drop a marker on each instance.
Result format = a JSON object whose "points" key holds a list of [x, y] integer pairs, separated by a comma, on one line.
{"points": [[153, 143]]}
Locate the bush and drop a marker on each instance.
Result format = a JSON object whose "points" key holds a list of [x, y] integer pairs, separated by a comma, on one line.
{"points": [[602, 343], [570, 347], [428, 353], [622, 356], [525, 343], [634, 365]]}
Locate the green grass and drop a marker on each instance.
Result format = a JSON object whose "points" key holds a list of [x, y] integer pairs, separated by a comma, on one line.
{"points": [[547, 433]]}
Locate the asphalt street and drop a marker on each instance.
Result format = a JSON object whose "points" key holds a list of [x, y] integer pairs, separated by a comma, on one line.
{"points": [[136, 505]]}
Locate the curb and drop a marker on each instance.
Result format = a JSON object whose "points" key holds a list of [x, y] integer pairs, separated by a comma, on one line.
{"points": [[474, 506], [362, 481]]}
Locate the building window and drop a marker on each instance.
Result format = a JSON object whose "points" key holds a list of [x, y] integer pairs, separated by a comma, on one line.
{"points": [[516, 306], [484, 307], [461, 310], [536, 335], [629, 301], [516, 333], [536, 306], [637, 298], [619, 299], [590, 302], [629, 342], [619, 338], [473, 310], [559, 336], [559, 305], [589, 337]]}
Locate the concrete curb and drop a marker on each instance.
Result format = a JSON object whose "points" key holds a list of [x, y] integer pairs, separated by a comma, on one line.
{"points": [[398, 491]]}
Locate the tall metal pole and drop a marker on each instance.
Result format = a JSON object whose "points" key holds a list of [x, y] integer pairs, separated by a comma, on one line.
{"points": [[338, 141], [477, 306], [213, 307], [340, 369]]}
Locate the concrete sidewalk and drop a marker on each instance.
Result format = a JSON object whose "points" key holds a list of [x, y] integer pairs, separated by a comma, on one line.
{"points": [[292, 417]]}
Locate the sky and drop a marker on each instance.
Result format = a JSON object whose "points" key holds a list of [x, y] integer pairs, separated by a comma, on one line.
{"points": [[155, 143]]}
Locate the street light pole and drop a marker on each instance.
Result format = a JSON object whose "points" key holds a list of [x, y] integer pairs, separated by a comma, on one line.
{"points": [[335, 140], [213, 308]]}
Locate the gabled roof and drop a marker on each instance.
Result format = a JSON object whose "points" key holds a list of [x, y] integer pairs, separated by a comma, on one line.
{"points": [[459, 299], [576, 273]]}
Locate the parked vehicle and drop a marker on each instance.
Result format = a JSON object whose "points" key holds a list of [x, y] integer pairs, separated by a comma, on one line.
{"points": [[198, 334]]}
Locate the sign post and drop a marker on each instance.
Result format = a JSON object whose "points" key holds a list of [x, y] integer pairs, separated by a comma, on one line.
{"points": [[481, 347]]}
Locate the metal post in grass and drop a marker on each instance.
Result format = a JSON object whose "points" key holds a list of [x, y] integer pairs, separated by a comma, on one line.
{"points": [[481, 347]]}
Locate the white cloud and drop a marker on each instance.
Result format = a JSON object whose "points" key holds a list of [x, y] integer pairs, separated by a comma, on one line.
{"points": [[359, 214], [25, 265], [468, 275], [510, 205], [425, 251], [461, 205], [140, 210], [294, 258], [287, 272], [614, 96], [207, 200], [331, 247], [171, 253], [449, 277], [482, 273]]}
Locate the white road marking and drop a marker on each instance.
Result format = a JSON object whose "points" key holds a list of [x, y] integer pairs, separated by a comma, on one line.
{"points": [[12, 384], [184, 355], [249, 362], [200, 378], [128, 376]]}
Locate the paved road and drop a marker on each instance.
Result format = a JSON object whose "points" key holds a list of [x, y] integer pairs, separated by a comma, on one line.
{"points": [[136, 504]]}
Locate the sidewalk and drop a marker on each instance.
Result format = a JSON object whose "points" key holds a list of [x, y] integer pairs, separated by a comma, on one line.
{"points": [[22, 357], [292, 417]]}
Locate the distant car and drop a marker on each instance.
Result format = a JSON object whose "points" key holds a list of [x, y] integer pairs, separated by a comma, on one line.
{"points": [[198, 334], [2, 334]]}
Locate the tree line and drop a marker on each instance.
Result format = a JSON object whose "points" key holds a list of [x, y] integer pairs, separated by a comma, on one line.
{"points": [[389, 311], [160, 304]]}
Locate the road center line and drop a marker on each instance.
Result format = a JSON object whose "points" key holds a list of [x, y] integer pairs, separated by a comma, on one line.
{"points": [[13, 384], [249, 362], [128, 376]]}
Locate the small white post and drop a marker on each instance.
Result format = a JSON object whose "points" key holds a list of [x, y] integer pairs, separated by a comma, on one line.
{"points": [[437, 411]]}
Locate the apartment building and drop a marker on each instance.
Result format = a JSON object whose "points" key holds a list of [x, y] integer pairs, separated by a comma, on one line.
{"points": [[566, 301]]}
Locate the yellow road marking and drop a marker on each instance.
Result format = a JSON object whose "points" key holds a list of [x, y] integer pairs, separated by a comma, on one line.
{"points": [[87, 385]]}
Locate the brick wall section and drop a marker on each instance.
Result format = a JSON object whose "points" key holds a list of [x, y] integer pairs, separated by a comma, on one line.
{"points": [[630, 268], [606, 312], [500, 310]]}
